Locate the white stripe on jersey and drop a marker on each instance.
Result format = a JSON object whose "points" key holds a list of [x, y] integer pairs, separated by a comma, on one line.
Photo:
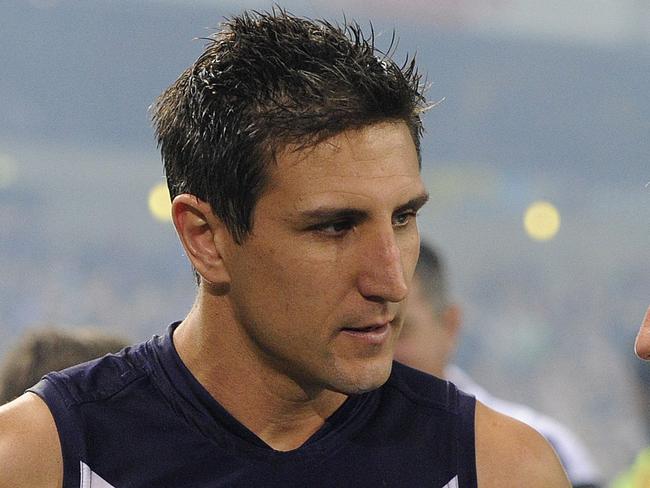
{"points": [[453, 483], [89, 479]]}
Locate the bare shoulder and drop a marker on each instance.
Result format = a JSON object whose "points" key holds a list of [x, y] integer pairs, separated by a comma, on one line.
{"points": [[30, 452], [510, 453]]}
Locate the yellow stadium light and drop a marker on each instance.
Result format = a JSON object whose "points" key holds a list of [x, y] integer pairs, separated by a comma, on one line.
{"points": [[542, 221], [160, 204]]}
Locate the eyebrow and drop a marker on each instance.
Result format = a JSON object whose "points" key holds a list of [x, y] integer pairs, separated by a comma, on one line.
{"points": [[324, 214], [414, 203], [335, 213]]}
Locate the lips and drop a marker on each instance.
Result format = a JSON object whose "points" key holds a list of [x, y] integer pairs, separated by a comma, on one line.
{"points": [[374, 334], [366, 329], [375, 323]]}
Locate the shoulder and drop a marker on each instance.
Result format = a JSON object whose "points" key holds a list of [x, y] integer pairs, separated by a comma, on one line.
{"points": [[30, 452], [37, 428], [571, 451], [510, 453], [67, 390], [99, 378]]}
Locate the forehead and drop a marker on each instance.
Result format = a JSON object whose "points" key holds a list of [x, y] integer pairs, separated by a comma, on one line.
{"points": [[375, 161]]}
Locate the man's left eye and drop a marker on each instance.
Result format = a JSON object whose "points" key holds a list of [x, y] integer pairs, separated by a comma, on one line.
{"points": [[403, 219]]}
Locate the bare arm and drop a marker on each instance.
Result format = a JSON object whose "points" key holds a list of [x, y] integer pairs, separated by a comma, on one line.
{"points": [[510, 453], [30, 452]]}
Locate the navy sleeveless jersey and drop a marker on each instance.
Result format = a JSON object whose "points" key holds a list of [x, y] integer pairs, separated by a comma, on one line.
{"points": [[140, 419]]}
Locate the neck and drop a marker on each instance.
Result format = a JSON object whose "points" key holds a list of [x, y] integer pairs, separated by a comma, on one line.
{"points": [[276, 408]]}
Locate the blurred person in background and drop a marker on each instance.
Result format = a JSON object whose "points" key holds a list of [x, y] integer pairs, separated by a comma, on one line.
{"points": [[642, 343], [43, 350], [291, 151], [429, 339]]}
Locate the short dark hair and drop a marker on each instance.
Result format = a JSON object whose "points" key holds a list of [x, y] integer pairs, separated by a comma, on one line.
{"points": [[43, 350], [432, 275], [267, 80]]}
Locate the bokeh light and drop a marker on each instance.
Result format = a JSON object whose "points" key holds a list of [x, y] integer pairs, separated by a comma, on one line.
{"points": [[160, 205], [542, 221]]}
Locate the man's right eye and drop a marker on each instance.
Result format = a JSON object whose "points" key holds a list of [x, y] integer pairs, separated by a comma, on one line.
{"points": [[335, 229]]}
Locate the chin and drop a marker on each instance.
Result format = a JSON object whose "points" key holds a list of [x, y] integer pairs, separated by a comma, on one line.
{"points": [[354, 379]]}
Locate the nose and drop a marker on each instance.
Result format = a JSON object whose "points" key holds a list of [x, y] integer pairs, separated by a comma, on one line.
{"points": [[642, 344], [381, 274]]}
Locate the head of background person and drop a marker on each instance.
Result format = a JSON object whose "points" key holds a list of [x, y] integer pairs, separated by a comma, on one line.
{"points": [[642, 343], [429, 337], [292, 155], [43, 350]]}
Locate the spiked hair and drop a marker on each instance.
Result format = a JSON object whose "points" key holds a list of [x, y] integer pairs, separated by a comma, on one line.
{"points": [[264, 81]]}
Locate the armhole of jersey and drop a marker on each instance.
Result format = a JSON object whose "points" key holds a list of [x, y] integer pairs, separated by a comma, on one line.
{"points": [[467, 439], [70, 438]]}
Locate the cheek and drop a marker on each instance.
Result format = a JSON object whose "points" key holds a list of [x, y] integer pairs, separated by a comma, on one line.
{"points": [[300, 288], [312, 290]]}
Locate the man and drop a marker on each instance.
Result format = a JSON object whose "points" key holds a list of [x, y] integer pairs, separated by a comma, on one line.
{"points": [[642, 343], [292, 157], [428, 342], [47, 349]]}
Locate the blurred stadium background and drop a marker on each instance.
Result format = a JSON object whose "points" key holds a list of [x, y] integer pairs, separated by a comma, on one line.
{"points": [[543, 102]]}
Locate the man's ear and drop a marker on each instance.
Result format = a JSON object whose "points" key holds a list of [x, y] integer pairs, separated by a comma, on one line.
{"points": [[204, 237]]}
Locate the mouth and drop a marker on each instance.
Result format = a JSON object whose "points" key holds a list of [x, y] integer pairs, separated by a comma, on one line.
{"points": [[372, 334]]}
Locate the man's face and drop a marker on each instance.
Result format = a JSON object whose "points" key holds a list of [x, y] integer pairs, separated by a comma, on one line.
{"points": [[317, 288]]}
